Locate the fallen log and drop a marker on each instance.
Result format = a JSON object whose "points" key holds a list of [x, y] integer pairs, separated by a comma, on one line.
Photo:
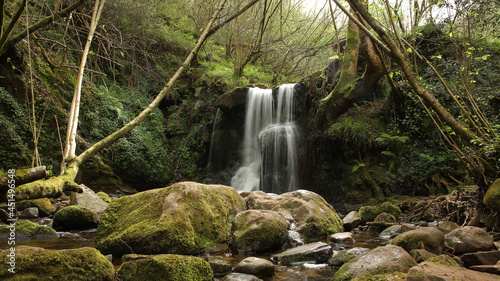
{"points": [[23, 176]]}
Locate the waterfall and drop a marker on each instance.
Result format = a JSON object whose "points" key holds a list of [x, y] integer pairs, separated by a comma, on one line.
{"points": [[269, 145]]}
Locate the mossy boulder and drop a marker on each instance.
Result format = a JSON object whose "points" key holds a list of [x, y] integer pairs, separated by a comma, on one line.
{"points": [[429, 238], [443, 259], [165, 268], [492, 197], [370, 213], [385, 217], [340, 258], [85, 264], [44, 206], [185, 218], [75, 217], [259, 230], [469, 239], [104, 196], [27, 230], [381, 260]]}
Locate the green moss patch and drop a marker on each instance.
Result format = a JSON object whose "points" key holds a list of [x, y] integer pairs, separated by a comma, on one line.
{"points": [[75, 217]]}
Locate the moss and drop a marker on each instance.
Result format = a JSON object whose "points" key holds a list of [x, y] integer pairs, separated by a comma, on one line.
{"points": [[443, 259], [259, 233], [492, 197], [385, 217], [168, 268], [28, 228], [184, 218], [75, 217], [75, 264], [43, 204], [369, 213], [104, 196]]}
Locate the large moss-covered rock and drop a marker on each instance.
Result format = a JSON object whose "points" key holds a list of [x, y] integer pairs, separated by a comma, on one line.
{"points": [[27, 230], [165, 268], [310, 214], [184, 218], [370, 213], [381, 260], [492, 197], [85, 264], [75, 217], [259, 230], [429, 238]]}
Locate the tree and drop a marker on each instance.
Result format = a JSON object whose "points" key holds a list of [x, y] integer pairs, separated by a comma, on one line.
{"points": [[55, 186]]}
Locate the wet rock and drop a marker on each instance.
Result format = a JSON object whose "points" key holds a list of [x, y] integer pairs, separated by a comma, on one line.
{"points": [[480, 258], [420, 255], [429, 238], [340, 258], [379, 260], [240, 277], [259, 230], [34, 263], [429, 271], [341, 237], [219, 265], [165, 268], [184, 218], [27, 230], [75, 217], [351, 220], [89, 199], [255, 266], [395, 230], [469, 239], [29, 213], [317, 252], [447, 226]]}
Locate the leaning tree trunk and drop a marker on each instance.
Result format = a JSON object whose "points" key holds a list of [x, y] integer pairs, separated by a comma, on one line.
{"points": [[55, 186]]}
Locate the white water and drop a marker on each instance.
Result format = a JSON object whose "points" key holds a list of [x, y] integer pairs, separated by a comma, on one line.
{"points": [[269, 146]]}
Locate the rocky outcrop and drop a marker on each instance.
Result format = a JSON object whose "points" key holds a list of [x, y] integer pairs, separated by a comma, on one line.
{"points": [[75, 217], [380, 260], [83, 264], [429, 238], [165, 268], [184, 218], [469, 239]]}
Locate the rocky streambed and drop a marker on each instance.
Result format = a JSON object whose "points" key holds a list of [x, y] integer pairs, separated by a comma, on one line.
{"points": [[192, 231]]}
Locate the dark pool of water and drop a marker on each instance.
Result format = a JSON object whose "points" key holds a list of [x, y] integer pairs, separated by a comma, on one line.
{"points": [[309, 272]]}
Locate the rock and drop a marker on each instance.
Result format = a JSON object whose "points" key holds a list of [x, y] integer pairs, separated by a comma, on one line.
{"points": [[385, 217], [240, 277], [219, 265], [395, 230], [447, 226], [89, 199], [310, 213], [75, 217], [340, 258], [29, 213], [469, 239], [396, 276], [185, 218], [27, 230], [443, 259], [259, 230], [45, 207], [317, 252], [351, 220], [492, 197], [493, 269], [429, 238], [341, 237], [165, 268], [380, 260], [369, 213], [480, 258], [429, 271], [420, 255], [104, 196], [255, 266], [32, 263], [234, 99]]}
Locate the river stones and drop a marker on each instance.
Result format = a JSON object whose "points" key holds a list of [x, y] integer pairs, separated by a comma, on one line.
{"points": [[255, 266], [165, 268], [469, 239], [380, 260], [32, 263], [185, 218], [259, 230], [317, 252], [351, 220], [75, 217], [429, 238], [219, 265]]}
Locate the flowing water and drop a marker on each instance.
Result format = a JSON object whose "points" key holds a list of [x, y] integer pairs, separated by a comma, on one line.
{"points": [[269, 142]]}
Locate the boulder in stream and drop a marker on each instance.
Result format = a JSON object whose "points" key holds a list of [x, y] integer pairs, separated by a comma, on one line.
{"points": [[255, 266], [429, 238], [185, 218], [469, 239], [317, 252], [75, 217]]}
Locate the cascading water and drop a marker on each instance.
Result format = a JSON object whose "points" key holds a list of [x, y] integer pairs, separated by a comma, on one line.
{"points": [[269, 145]]}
